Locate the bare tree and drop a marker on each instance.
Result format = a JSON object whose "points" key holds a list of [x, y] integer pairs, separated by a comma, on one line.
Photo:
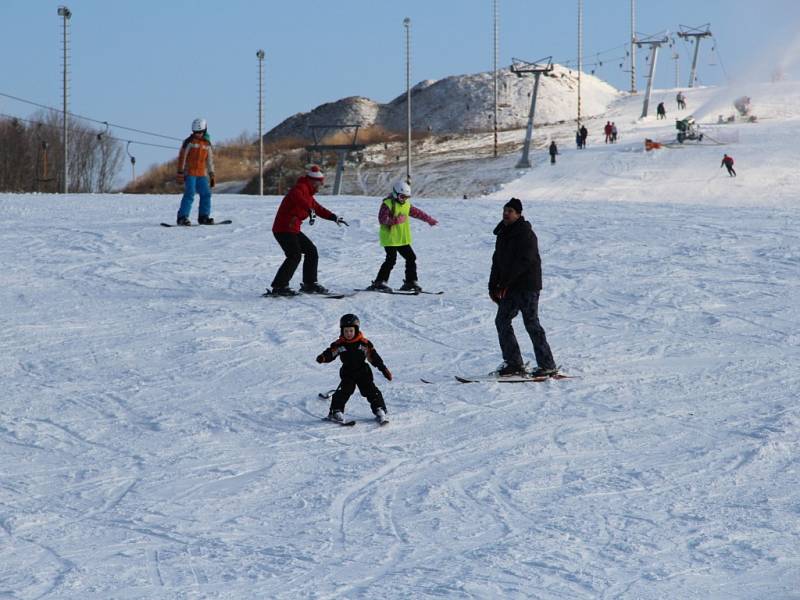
{"points": [[31, 156]]}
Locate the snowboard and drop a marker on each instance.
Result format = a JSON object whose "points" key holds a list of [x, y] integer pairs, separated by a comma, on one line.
{"points": [[349, 423], [225, 222], [493, 378], [329, 295], [399, 292]]}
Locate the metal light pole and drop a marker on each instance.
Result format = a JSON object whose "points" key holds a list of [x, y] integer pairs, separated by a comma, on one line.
{"points": [[495, 27], [65, 14], [633, 46], [407, 25], [260, 56], [133, 161], [580, 56], [676, 57]]}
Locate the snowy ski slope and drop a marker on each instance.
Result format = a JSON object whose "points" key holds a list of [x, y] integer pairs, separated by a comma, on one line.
{"points": [[160, 432]]}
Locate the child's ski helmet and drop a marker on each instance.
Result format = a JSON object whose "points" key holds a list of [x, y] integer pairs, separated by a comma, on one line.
{"points": [[401, 188], [199, 125], [349, 320]]}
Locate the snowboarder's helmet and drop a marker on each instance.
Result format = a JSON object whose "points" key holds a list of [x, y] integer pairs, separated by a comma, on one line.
{"points": [[199, 125], [401, 188], [349, 320]]}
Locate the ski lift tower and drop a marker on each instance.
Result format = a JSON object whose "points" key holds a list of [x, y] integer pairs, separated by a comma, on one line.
{"points": [[342, 150], [520, 68], [698, 33], [655, 43]]}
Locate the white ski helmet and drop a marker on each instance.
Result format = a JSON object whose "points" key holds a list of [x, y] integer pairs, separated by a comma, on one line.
{"points": [[401, 188], [199, 125]]}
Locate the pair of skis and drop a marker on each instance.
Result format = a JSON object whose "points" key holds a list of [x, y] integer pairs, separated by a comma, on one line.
{"points": [[381, 419]]}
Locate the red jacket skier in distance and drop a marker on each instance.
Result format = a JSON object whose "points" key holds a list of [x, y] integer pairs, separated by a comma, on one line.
{"points": [[297, 205]]}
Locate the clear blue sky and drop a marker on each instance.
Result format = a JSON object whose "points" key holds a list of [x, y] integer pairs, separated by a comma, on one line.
{"points": [[156, 64]]}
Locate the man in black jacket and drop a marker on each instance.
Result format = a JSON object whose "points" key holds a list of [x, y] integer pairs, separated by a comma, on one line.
{"points": [[514, 285]]}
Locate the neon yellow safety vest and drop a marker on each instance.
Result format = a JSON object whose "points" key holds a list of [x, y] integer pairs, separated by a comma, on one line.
{"points": [[400, 234]]}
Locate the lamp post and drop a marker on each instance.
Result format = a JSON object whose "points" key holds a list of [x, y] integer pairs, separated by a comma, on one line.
{"points": [[494, 70], [260, 56], [580, 56], [407, 25], [65, 14], [633, 46]]}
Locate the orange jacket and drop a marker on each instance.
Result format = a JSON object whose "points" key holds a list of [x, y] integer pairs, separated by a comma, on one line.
{"points": [[196, 157]]}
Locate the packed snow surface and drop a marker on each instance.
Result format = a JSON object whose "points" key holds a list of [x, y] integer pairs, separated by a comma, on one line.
{"points": [[161, 433]]}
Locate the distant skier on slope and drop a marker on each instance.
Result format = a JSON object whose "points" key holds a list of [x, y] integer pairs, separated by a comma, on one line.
{"points": [[680, 99], [355, 351], [584, 135], [395, 237], [297, 206], [553, 151], [614, 132], [514, 285], [196, 174], [661, 111], [607, 130], [727, 162]]}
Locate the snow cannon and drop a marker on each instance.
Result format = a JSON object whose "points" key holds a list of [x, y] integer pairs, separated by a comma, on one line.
{"points": [[742, 105], [688, 130]]}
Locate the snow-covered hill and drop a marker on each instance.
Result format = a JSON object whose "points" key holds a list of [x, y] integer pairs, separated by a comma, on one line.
{"points": [[458, 104], [160, 432]]}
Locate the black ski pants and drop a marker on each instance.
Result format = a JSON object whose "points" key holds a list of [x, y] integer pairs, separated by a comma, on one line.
{"points": [[526, 302], [731, 172], [363, 380], [295, 246], [391, 258]]}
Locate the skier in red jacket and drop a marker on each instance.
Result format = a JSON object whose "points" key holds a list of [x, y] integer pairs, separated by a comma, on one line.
{"points": [[727, 162], [298, 205]]}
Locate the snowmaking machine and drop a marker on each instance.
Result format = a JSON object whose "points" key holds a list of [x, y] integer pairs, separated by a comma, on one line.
{"points": [[688, 130]]}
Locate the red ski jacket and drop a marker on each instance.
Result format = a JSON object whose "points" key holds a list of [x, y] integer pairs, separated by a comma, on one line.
{"points": [[297, 206]]}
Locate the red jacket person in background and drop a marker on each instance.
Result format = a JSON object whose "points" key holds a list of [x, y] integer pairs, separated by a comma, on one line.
{"points": [[727, 162], [298, 205]]}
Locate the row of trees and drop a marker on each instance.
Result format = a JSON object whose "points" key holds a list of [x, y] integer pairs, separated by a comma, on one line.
{"points": [[32, 155]]}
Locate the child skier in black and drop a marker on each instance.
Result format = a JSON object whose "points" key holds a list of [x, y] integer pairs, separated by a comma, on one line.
{"points": [[355, 350]]}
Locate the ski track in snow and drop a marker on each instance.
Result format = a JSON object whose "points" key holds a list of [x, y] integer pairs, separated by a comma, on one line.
{"points": [[161, 437]]}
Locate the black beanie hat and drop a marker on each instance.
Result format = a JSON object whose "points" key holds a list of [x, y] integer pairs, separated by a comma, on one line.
{"points": [[514, 203]]}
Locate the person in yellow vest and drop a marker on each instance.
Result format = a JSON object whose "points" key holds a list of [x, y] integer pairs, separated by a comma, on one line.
{"points": [[395, 236]]}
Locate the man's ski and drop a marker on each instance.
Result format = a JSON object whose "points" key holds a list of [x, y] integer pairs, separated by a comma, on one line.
{"points": [[326, 395], [225, 222]]}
